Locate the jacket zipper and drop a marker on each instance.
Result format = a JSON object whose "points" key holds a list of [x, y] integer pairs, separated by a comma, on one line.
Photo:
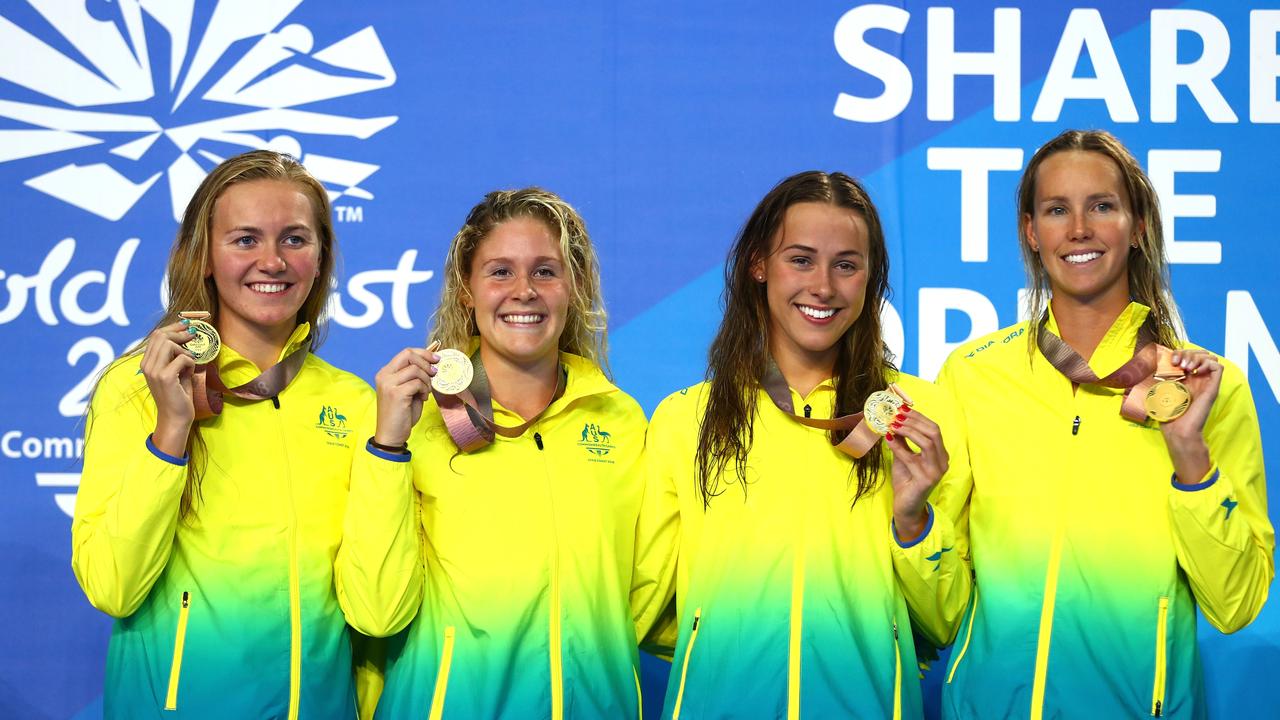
{"points": [[684, 669], [179, 640], [553, 629], [794, 650], [968, 634], [295, 592], [897, 674], [1157, 689], [442, 675]]}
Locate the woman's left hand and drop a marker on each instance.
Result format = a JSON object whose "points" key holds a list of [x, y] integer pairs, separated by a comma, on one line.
{"points": [[1185, 436], [915, 474]]}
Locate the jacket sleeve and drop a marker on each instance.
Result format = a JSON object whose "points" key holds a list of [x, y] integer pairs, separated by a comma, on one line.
{"points": [[653, 581], [934, 570], [127, 505], [1223, 539], [378, 572]]}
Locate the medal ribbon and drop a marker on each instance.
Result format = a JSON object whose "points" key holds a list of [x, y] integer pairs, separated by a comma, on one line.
{"points": [[860, 438], [1136, 377], [208, 389], [468, 416]]}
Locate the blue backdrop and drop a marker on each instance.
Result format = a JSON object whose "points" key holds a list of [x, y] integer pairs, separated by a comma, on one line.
{"points": [[663, 122]]}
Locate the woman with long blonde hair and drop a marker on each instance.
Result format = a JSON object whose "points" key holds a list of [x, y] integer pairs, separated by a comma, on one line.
{"points": [[1117, 476], [528, 477], [216, 469]]}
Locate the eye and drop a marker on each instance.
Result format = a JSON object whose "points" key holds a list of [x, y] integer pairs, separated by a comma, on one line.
{"points": [[800, 260], [499, 271], [847, 266], [546, 271], [1104, 206], [245, 240], [294, 241], [1056, 210]]}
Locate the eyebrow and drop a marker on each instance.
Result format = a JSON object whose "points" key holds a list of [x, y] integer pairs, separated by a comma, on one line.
{"points": [[1094, 196], [251, 230], [540, 259], [806, 248]]}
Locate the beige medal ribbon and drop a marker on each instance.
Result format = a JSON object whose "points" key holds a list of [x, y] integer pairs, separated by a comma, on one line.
{"points": [[465, 403], [1149, 378], [207, 388], [864, 429]]}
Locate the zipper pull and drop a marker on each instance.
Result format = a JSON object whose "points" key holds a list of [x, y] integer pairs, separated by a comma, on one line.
{"points": [[1075, 426], [807, 410], [895, 630], [696, 617], [275, 400], [1158, 712], [186, 599], [537, 440]]}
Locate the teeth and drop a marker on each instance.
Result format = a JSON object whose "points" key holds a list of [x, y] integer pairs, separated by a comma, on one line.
{"points": [[268, 287], [1083, 257], [816, 313], [522, 319]]}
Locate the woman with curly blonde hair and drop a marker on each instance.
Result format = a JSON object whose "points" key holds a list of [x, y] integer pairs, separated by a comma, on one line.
{"points": [[529, 487]]}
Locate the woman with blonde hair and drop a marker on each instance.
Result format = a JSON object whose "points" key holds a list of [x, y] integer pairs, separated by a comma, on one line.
{"points": [[1117, 476], [216, 468], [527, 476], [803, 554]]}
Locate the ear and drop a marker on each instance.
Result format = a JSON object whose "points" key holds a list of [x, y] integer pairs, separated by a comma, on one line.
{"points": [[757, 270], [1029, 234]]}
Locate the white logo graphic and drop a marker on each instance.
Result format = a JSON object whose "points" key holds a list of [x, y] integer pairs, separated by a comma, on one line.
{"points": [[275, 74]]}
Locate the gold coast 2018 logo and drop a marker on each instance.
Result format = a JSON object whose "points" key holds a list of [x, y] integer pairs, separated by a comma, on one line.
{"points": [[596, 441], [243, 55]]}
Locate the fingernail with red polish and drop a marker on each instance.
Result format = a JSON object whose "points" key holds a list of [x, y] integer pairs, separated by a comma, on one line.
{"points": [[889, 437], [896, 425]]}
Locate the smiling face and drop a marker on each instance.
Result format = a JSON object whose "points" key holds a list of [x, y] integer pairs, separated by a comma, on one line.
{"points": [[1081, 225], [264, 256], [519, 293], [816, 282]]}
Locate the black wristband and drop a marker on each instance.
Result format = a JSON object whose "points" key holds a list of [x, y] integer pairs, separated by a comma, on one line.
{"points": [[402, 449]]}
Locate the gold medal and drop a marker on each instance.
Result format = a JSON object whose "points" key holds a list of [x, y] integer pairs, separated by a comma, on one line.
{"points": [[880, 409], [204, 343], [1167, 400], [453, 372]]}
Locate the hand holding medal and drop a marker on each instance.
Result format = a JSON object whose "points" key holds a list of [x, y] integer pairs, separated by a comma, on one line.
{"points": [[403, 385], [914, 474], [168, 364]]}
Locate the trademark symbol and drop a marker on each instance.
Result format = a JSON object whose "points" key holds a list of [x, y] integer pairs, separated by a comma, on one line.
{"points": [[349, 213]]}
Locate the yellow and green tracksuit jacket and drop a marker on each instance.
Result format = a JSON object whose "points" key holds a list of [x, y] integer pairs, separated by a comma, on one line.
{"points": [[1090, 563], [792, 601], [528, 552], [231, 612]]}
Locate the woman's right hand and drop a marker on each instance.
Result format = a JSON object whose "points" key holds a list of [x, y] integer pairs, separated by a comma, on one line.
{"points": [[403, 385], [168, 368]]}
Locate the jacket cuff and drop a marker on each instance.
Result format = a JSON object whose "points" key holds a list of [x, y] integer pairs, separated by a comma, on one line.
{"points": [[1208, 480], [179, 461], [393, 457], [928, 525]]}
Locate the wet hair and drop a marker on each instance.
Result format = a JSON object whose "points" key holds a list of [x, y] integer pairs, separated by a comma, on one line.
{"points": [[1148, 270], [454, 322], [191, 284], [739, 354]]}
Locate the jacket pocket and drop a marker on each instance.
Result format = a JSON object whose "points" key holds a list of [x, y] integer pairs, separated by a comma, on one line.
{"points": [[684, 669], [968, 635], [1157, 686], [179, 641], [442, 675], [897, 674]]}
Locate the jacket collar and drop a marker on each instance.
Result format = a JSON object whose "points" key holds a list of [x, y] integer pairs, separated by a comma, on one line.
{"points": [[236, 369], [1116, 346]]}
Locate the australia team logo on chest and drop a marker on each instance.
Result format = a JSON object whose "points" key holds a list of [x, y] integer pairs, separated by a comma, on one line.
{"points": [[333, 424], [596, 442]]}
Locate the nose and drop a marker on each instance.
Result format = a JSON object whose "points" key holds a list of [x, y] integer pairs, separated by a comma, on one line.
{"points": [[270, 260], [1080, 227], [823, 287], [525, 290]]}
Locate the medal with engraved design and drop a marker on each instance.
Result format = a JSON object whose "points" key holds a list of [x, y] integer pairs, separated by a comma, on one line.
{"points": [[453, 372], [880, 409], [1168, 399], [204, 343]]}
